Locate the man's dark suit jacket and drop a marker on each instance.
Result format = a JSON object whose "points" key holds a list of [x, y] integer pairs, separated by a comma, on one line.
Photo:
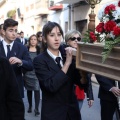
{"points": [[11, 104], [105, 85], [19, 40], [58, 98], [21, 52]]}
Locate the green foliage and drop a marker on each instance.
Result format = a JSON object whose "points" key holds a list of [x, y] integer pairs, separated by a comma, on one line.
{"points": [[11, 13], [109, 44], [86, 37]]}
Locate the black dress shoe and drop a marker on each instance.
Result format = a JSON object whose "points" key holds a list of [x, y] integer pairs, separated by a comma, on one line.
{"points": [[29, 110], [36, 112]]}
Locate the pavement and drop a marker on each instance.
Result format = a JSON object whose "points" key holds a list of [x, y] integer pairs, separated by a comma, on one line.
{"points": [[93, 79], [31, 116]]}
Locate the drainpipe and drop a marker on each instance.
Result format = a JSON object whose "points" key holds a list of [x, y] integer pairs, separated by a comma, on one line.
{"points": [[72, 16], [69, 18]]}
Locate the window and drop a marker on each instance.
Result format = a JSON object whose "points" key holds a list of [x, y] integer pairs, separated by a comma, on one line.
{"points": [[81, 26]]}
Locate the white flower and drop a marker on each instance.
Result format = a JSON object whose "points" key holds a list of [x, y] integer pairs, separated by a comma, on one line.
{"points": [[103, 35], [101, 13], [112, 35], [118, 24], [116, 13], [106, 18]]}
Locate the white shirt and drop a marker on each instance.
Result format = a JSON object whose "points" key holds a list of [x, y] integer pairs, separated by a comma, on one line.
{"points": [[1, 38], [5, 46], [23, 41], [54, 57]]}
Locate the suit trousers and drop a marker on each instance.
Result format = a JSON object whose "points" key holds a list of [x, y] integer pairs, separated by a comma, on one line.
{"points": [[68, 117], [107, 109]]}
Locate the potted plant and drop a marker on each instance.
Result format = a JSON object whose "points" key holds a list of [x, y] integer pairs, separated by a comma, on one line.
{"points": [[11, 14]]}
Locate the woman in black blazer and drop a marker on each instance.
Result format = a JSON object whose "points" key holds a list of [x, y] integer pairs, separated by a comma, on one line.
{"points": [[72, 37], [11, 104], [56, 78]]}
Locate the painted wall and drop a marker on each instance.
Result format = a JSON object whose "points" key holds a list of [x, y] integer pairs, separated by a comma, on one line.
{"points": [[60, 16]]}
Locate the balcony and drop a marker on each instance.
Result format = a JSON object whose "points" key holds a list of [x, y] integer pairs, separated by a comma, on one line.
{"points": [[56, 7], [67, 1], [53, 6]]}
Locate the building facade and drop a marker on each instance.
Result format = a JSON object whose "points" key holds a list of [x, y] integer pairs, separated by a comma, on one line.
{"points": [[31, 15]]}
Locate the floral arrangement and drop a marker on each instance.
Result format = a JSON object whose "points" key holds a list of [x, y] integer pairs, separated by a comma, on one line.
{"points": [[108, 30]]}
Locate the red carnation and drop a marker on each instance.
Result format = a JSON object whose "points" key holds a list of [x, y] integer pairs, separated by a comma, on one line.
{"points": [[119, 3], [116, 31], [109, 8], [93, 38], [100, 27], [109, 26]]}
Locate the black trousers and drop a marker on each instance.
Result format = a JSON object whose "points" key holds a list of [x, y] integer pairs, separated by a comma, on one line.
{"points": [[107, 109], [68, 117], [36, 96]]}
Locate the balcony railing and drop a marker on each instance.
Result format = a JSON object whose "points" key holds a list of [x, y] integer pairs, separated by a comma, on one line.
{"points": [[56, 7], [53, 6], [67, 1]]}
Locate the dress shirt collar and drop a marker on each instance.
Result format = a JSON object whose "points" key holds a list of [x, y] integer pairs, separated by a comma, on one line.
{"points": [[53, 56], [5, 44]]}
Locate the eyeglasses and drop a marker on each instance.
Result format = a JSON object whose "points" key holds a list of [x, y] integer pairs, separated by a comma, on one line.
{"points": [[74, 38]]}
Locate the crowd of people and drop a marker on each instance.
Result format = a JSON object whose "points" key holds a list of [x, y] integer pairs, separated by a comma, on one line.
{"points": [[43, 63]]}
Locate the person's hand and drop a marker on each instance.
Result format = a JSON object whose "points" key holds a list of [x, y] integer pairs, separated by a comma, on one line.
{"points": [[68, 59], [69, 55], [14, 60], [115, 91], [90, 103]]}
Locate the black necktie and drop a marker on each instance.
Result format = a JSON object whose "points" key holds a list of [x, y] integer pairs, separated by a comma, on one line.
{"points": [[8, 51], [22, 41], [58, 61]]}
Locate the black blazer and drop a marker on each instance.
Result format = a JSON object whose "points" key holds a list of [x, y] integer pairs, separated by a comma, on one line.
{"points": [[21, 52], [19, 40], [105, 85], [58, 98], [88, 87], [11, 104]]}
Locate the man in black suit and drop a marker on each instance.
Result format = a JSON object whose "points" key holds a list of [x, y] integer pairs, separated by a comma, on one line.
{"points": [[11, 104], [22, 40], [16, 53], [18, 38], [108, 93]]}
